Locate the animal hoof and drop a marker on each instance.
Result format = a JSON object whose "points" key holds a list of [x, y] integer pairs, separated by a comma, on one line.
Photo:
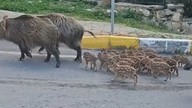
{"points": [[21, 59], [154, 77], [39, 52], [57, 65], [122, 82], [29, 55], [78, 60], [113, 80], [46, 60]]}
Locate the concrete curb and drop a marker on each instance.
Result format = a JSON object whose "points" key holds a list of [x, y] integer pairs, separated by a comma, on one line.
{"points": [[159, 44], [109, 41], [167, 45]]}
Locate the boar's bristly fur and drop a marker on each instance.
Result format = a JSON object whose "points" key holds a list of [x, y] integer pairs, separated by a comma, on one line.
{"points": [[28, 32], [71, 32]]}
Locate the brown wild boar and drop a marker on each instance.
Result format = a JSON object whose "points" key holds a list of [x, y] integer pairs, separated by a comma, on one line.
{"points": [[159, 67], [188, 65], [89, 57], [124, 71], [71, 32], [28, 32]]}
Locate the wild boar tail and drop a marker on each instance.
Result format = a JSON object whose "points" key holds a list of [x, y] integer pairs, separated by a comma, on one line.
{"points": [[90, 33]]}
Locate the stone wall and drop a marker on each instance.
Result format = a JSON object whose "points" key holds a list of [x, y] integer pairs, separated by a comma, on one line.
{"points": [[171, 16], [101, 2]]}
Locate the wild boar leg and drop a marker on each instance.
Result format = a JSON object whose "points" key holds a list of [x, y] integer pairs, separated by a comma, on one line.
{"points": [[22, 53], [28, 53], [41, 49], [55, 52], [48, 56], [79, 54]]}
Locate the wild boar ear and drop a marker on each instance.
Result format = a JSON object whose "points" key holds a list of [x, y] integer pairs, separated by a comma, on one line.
{"points": [[4, 22]]}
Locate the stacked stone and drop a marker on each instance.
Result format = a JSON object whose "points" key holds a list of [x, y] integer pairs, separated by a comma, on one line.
{"points": [[171, 16]]}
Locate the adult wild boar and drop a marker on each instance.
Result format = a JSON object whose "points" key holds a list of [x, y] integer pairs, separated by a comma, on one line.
{"points": [[28, 32], [188, 65], [71, 32]]}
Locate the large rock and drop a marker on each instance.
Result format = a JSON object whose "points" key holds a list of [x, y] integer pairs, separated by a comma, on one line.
{"points": [[155, 7], [187, 25], [180, 10], [99, 2], [144, 9], [123, 5], [174, 25], [169, 25], [176, 17], [105, 2], [129, 5], [160, 15], [168, 12], [145, 12], [173, 6]]}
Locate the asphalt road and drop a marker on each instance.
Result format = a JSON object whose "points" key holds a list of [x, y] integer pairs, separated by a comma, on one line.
{"points": [[35, 84]]}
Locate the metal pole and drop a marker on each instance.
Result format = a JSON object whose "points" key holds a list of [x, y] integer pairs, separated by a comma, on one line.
{"points": [[112, 15], [164, 4]]}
